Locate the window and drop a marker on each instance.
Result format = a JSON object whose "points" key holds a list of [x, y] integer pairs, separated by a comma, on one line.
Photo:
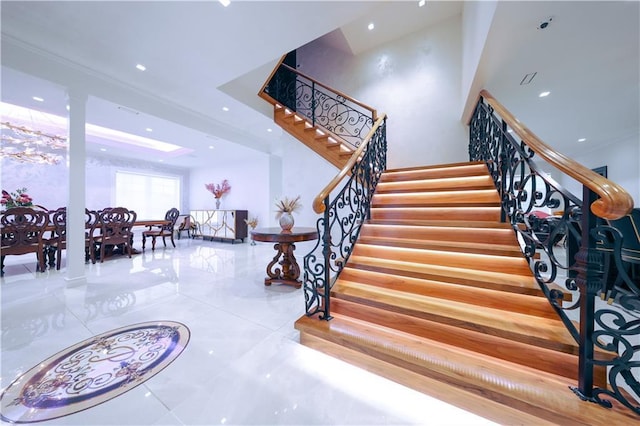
{"points": [[150, 196]]}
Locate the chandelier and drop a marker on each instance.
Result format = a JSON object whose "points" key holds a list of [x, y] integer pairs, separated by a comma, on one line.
{"points": [[26, 145]]}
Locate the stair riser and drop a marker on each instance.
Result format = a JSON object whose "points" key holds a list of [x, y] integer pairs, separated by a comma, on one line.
{"points": [[434, 173], [491, 214], [487, 198], [504, 264], [488, 235], [451, 184]]}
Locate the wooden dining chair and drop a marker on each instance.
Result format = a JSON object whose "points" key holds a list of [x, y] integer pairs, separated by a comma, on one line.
{"points": [[22, 231], [115, 229], [58, 241], [163, 231]]}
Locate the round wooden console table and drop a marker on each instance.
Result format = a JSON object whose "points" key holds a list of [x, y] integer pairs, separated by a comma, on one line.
{"points": [[285, 245]]}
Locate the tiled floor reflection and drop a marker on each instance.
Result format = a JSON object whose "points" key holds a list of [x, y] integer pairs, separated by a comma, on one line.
{"points": [[243, 364]]}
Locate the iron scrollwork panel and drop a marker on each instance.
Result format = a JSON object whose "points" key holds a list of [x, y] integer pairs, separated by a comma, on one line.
{"points": [[339, 227]]}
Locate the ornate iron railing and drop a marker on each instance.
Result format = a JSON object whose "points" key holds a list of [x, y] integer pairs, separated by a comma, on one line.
{"points": [[339, 114], [339, 226], [570, 251]]}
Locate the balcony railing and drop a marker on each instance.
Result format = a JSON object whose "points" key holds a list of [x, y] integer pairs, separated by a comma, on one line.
{"points": [[339, 114]]}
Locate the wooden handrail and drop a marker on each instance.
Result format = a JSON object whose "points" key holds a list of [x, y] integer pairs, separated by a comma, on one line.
{"points": [[614, 201], [318, 202]]}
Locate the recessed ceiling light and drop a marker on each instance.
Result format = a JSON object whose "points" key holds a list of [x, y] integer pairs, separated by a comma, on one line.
{"points": [[103, 149], [149, 129], [543, 94], [269, 130], [225, 3], [371, 26], [68, 107], [37, 98], [141, 67], [421, 3], [582, 139], [211, 146], [161, 161], [225, 109]]}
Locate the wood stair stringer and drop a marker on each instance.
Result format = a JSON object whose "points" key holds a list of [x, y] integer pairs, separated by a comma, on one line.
{"points": [[322, 142]]}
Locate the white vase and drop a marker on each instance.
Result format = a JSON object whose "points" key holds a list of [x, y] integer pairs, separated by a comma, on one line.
{"points": [[217, 203], [286, 221]]}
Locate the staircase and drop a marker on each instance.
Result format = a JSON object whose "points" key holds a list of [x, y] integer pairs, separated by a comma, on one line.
{"points": [[436, 295], [329, 146]]}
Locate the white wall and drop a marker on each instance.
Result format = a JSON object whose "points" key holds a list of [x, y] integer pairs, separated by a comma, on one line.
{"points": [[304, 173], [257, 180], [476, 23], [248, 177], [623, 165], [47, 184], [415, 80]]}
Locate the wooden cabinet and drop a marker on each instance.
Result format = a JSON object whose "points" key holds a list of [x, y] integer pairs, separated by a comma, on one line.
{"points": [[221, 225]]}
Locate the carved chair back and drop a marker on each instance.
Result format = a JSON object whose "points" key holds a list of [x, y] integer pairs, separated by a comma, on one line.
{"points": [[22, 230], [116, 228]]}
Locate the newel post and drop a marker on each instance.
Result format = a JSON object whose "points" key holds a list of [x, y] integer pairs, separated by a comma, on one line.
{"points": [[588, 281], [326, 251]]}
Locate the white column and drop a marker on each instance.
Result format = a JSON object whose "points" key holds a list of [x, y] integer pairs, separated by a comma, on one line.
{"points": [[77, 101]]}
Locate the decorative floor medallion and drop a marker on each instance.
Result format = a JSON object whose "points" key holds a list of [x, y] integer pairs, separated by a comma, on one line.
{"points": [[93, 371]]}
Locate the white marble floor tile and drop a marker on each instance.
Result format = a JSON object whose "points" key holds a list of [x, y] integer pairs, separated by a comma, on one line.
{"points": [[243, 364]]}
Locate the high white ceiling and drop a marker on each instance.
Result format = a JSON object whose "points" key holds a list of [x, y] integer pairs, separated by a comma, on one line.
{"points": [[201, 57]]}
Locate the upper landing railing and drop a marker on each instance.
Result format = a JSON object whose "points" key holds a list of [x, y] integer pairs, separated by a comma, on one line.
{"points": [[342, 116]]}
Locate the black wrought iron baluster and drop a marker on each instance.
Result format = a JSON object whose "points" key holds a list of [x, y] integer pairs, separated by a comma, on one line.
{"points": [[588, 281], [313, 103], [326, 251]]}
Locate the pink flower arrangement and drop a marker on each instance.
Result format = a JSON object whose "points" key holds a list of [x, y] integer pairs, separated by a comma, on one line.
{"points": [[219, 189], [20, 198]]}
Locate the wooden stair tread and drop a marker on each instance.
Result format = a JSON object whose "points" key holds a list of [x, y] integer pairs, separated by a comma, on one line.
{"points": [[478, 262], [544, 332], [457, 246], [524, 303], [447, 213], [541, 394], [485, 279], [485, 197], [452, 232], [439, 223]]}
